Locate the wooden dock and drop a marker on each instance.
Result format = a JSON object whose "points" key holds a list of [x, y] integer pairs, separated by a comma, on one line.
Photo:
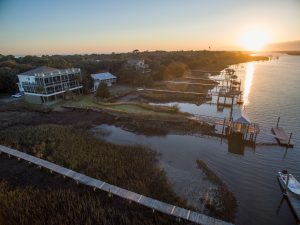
{"points": [[208, 79], [228, 126], [171, 92], [293, 199], [190, 83], [204, 94], [282, 137], [151, 203]]}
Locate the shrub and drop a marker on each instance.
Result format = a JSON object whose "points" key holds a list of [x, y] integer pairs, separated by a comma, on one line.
{"points": [[102, 90]]}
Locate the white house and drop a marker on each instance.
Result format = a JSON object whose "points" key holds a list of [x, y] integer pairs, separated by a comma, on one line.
{"points": [[139, 64], [103, 77], [45, 84]]}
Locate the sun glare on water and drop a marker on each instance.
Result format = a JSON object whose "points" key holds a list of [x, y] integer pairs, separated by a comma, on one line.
{"points": [[254, 40], [248, 82]]}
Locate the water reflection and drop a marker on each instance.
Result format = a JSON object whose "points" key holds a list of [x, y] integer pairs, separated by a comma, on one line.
{"points": [[248, 82], [236, 145]]}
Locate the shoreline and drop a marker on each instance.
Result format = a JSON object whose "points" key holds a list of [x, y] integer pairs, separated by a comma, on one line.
{"points": [[188, 180], [90, 118], [147, 125], [110, 114]]}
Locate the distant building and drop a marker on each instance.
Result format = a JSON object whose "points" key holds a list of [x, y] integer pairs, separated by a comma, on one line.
{"points": [[45, 84], [139, 65], [103, 77]]}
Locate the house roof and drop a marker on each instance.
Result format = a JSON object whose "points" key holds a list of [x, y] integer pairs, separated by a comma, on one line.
{"points": [[243, 119], [41, 69], [103, 76]]}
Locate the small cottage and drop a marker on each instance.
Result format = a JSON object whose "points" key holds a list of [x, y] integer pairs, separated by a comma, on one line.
{"points": [[103, 77]]}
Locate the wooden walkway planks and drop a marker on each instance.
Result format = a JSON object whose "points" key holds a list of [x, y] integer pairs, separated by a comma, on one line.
{"points": [[190, 83], [207, 79], [202, 94], [123, 193], [170, 91]]}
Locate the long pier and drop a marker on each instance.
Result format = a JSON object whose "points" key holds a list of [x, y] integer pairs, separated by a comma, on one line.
{"points": [[215, 93], [151, 203], [190, 83], [208, 79], [173, 92], [206, 71]]}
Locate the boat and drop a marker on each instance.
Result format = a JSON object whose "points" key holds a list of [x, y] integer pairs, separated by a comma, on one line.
{"points": [[293, 183]]}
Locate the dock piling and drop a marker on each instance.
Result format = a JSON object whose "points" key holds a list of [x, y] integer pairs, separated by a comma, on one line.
{"points": [[278, 121], [287, 183], [290, 139], [223, 125]]}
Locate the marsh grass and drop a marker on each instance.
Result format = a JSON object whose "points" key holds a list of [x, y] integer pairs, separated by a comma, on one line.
{"points": [[224, 203], [33, 206], [132, 167]]}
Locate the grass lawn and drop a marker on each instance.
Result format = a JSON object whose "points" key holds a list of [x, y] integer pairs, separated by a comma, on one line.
{"points": [[88, 101]]}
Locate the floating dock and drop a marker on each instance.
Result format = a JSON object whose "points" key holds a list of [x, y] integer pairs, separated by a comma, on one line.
{"points": [[282, 137], [293, 199], [151, 203]]}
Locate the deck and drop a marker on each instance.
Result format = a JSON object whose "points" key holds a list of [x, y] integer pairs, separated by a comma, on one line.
{"points": [[151, 203], [282, 137], [172, 92], [214, 93], [252, 128], [208, 79], [190, 83]]}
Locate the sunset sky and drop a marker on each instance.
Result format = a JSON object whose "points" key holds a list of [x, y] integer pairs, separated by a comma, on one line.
{"points": [[78, 26]]}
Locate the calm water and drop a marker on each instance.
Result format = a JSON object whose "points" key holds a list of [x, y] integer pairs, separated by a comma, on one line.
{"points": [[270, 89]]}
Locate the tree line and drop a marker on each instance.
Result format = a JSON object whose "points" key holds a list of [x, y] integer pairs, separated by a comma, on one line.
{"points": [[163, 65]]}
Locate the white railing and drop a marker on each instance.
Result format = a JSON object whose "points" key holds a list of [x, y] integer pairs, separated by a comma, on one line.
{"points": [[58, 72]]}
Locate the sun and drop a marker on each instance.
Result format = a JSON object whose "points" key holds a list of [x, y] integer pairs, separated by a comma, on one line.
{"points": [[254, 40]]}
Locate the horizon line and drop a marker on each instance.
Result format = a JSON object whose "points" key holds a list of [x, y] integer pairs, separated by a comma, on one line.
{"points": [[113, 52]]}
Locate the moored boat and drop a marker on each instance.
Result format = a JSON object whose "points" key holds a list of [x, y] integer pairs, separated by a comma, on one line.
{"points": [[293, 183]]}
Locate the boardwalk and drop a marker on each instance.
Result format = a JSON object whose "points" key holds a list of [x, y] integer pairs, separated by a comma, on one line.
{"points": [[215, 93], [122, 193], [190, 83], [169, 91], [209, 79]]}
